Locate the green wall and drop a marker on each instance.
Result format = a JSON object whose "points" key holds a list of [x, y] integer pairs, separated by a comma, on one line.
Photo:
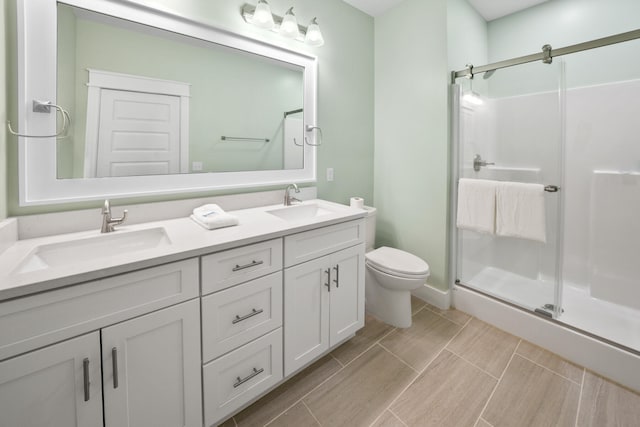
{"points": [[345, 91], [411, 147], [3, 113], [562, 23]]}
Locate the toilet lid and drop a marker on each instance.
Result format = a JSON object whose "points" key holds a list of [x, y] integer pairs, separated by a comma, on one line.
{"points": [[392, 261]]}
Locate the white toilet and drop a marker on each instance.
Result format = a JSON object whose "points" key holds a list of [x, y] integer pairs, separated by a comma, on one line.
{"points": [[391, 275]]}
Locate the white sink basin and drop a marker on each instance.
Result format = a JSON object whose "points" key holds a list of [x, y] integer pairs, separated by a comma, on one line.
{"points": [[300, 212], [86, 249]]}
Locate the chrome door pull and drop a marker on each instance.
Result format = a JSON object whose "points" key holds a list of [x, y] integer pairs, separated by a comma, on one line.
{"points": [[114, 364], [337, 279], [239, 318], [248, 377], [251, 264], [551, 188], [87, 383], [328, 284]]}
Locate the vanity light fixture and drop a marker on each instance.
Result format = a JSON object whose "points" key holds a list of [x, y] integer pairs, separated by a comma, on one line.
{"points": [[261, 16], [289, 26], [314, 36]]}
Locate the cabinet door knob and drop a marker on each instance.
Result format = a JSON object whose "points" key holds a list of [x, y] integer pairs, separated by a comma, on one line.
{"points": [[337, 279], [114, 363], [328, 284], [87, 382]]}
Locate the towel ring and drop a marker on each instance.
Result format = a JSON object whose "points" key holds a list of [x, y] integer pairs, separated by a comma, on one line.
{"points": [[45, 107], [310, 128]]}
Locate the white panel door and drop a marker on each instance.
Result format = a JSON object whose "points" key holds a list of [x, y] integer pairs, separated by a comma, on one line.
{"points": [[151, 369], [46, 387], [347, 293], [306, 311], [138, 134]]}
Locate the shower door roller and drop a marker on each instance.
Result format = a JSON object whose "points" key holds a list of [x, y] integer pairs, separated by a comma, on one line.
{"points": [[551, 188]]}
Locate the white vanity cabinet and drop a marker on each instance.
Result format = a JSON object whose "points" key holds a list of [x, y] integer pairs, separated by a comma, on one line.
{"points": [[241, 326], [47, 387], [151, 369], [143, 369], [323, 297]]}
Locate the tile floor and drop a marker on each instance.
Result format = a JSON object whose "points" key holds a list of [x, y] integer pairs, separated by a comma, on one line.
{"points": [[447, 369]]}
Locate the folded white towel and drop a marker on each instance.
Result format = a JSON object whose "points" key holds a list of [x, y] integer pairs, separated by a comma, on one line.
{"points": [[212, 216], [477, 205], [520, 211]]}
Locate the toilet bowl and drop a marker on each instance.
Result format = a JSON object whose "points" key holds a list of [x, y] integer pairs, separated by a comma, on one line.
{"points": [[390, 276]]}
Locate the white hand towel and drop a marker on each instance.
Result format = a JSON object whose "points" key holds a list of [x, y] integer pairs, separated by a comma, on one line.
{"points": [[212, 216], [521, 211], [477, 205]]}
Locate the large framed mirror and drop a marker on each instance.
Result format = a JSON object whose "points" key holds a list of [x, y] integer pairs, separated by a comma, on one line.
{"points": [[158, 104]]}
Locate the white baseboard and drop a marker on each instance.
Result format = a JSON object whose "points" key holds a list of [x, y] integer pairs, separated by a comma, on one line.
{"points": [[434, 296], [609, 361]]}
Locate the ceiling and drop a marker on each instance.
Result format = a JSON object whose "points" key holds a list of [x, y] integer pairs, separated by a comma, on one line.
{"points": [[489, 9]]}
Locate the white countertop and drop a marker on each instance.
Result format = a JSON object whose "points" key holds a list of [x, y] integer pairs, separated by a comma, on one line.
{"points": [[187, 240]]}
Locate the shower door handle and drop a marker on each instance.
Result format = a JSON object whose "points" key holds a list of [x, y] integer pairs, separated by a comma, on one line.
{"points": [[551, 188]]}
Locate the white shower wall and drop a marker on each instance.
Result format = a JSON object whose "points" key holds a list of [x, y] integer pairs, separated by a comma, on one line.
{"points": [[521, 134]]}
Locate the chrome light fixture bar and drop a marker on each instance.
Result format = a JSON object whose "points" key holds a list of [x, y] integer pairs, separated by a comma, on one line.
{"points": [[286, 25]]}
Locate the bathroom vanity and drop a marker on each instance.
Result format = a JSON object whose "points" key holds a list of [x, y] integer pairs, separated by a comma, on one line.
{"points": [[191, 324]]}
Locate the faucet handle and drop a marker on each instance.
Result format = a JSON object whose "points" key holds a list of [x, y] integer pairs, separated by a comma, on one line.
{"points": [[122, 218]]}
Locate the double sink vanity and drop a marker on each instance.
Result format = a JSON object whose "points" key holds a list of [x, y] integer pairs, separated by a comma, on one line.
{"points": [[168, 324]]}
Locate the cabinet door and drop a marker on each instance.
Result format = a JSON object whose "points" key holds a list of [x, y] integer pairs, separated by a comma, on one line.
{"points": [[151, 369], [347, 294], [47, 387], [306, 313]]}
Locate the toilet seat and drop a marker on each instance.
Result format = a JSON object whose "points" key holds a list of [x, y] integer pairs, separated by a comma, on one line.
{"points": [[397, 263]]}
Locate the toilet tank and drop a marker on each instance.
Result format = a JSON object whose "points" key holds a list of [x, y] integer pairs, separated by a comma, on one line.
{"points": [[370, 228]]}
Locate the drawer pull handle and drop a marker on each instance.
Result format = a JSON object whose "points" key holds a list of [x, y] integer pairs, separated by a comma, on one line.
{"points": [[251, 264], [114, 363], [87, 383], [239, 319], [337, 279], [247, 378], [328, 284]]}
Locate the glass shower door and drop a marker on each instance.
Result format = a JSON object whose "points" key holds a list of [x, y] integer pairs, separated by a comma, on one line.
{"points": [[510, 130]]}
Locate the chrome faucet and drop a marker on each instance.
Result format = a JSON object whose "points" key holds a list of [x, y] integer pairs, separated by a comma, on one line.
{"points": [[108, 222], [288, 199], [479, 163]]}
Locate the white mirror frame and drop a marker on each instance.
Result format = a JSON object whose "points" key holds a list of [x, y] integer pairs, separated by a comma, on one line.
{"points": [[37, 76]]}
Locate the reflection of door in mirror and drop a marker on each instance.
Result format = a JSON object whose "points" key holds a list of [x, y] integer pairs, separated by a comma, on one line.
{"points": [[133, 133], [232, 94]]}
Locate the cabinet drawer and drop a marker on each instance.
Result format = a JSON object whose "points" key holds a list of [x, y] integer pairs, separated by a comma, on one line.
{"points": [[228, 268], [235, 316], [38, 320], [238, 377], [312, 244]]}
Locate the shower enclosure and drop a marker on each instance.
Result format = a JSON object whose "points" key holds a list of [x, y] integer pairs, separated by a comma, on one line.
{"points": [[573, 127]]}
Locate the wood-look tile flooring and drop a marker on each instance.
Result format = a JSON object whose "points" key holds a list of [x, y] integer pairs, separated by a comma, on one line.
{"points": [[447, 369]]}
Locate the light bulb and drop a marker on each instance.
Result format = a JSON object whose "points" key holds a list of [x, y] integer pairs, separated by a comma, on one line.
{"points": [[289, 26], [314, 36], [262, 16]]}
